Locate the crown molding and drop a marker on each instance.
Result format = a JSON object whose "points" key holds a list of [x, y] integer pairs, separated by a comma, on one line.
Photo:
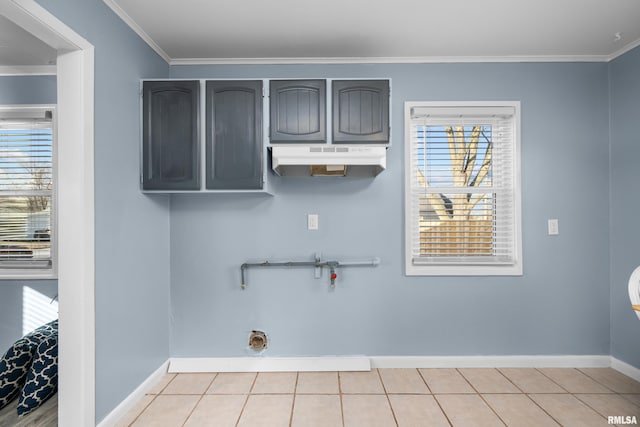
{"points": [[389, 60], [137, 29], [624, 50]]}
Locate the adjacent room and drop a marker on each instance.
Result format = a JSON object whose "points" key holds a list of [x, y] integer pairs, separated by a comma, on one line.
{"points": [[327, 214]]}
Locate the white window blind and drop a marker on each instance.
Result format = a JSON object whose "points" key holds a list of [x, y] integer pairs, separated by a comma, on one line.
{"points": [[462, 193], [27, 203]]}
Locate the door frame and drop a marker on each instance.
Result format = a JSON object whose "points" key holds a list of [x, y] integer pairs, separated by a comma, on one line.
{"points": [[76, 216]]}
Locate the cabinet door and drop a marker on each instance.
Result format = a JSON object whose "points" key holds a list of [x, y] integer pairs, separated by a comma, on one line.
{"points": [[298, 111], [360, 111], [170, 135], [234, 135]]}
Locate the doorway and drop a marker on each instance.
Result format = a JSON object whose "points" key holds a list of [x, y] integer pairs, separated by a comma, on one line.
{"points": [[76, 263]]}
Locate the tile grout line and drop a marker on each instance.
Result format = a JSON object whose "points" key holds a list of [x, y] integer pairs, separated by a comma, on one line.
{"points": [[151, 401], [489, 405], [393, 413], [511, 382], [536, 403], [246, 400], [613, 392], [244, 405], [482, 397], [556, 383], [424, 380], [341, 403], [591, 407], [295, 394], [143, 409], [215, 374], [599, 382], [468, 382], [551, 379]]}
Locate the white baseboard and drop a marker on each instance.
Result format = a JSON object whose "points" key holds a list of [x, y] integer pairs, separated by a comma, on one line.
{"points": [[269, 364], [533, 361], [363, 363], [625, 368], [130, 401]]}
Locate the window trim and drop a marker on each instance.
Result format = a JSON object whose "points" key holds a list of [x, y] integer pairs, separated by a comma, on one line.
{"points": [[40, 273], [463, 269]]}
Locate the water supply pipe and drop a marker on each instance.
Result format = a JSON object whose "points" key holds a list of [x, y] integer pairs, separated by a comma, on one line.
{"points": [[318, 263]]}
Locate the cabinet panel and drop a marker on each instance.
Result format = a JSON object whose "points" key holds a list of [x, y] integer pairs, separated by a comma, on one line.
{"points": [[360, 111], [170, 135], [234, 135], [298, 111]]}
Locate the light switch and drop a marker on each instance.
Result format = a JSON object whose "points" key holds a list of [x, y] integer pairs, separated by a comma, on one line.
{"points": [[552, 226], [312, 222]]}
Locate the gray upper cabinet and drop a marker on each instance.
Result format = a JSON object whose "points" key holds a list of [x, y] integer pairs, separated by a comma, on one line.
{"points": [[234, 146], [170, 148], [298, 111], [360, 111]]}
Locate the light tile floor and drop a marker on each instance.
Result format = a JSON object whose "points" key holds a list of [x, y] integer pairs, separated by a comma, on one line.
{"points": [[517, 397]]}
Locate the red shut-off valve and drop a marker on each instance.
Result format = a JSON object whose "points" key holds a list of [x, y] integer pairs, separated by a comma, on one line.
{"points": [[333, 276]]}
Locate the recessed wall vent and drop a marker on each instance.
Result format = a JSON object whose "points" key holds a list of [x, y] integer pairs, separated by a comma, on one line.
{"points": [[257, 340]]}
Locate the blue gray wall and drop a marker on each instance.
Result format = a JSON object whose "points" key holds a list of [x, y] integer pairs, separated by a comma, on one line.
{"points": [[625, 203], [27, 90], [12, 307], [22, 90], [132, 230], [560, 306], [179, 258]]}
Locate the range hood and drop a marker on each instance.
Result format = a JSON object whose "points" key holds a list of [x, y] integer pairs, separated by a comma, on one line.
{"points": [[328, 160]]}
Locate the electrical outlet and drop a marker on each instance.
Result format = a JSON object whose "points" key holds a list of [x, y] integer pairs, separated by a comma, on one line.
{"points": [[312, 222], [552, 227]]}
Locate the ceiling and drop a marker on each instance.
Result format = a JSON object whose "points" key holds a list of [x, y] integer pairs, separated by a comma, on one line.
{"points": [[19, 48], [286, 31], [215, 31]]}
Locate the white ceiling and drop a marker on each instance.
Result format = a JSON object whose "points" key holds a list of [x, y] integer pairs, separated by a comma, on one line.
{"points": [[19, 48], [281, 31], [201, 31]]}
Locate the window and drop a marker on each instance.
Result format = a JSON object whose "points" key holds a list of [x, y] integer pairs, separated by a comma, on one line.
{"points": [[27, 192], [462, 195]]}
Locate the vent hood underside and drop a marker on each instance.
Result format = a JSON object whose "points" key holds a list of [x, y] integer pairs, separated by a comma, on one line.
{"points": [[328, 160]]}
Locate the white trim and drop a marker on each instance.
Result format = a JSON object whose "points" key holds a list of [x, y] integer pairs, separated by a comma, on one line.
{"points": [[76, 260], [28, 70], [34, 18], [534, 361], [464, 268], [625, 368], [363, 363], [269, 364], [624, 50], [134, 397], [76, 283], [115, 7], [388, 60]]}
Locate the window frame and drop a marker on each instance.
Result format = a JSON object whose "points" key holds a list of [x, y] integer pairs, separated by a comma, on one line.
{"points": [[463, 268], [50, 272]]}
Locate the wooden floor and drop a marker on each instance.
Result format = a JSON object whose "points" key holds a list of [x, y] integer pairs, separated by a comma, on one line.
{"points": [[44, 416]]}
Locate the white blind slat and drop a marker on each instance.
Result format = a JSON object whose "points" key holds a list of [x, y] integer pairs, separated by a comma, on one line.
{"points": [[26, 188], [462, 186]]}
